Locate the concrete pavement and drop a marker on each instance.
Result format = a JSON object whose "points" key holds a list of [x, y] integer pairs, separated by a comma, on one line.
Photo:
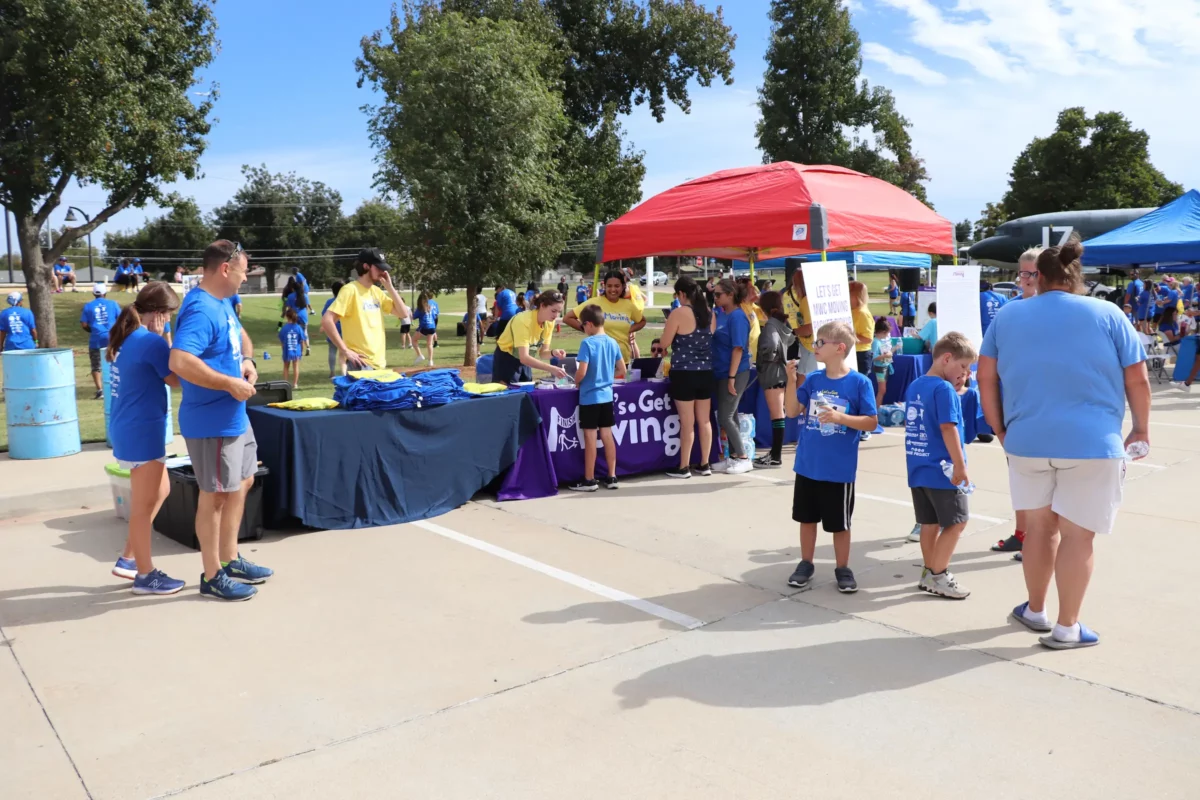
{"points": [[639, 643]]}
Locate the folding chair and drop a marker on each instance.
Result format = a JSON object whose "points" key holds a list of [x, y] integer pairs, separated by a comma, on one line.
{"points": [[1156, 357]]}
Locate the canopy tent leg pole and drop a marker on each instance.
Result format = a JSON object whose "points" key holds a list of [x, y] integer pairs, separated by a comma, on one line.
{"points": [[824, 256], [596, 280], [750, 258], [650, 281]]}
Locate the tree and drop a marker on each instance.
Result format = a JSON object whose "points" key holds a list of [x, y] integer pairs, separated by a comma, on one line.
{"points": [[993, 217], [283, 220], [468, 132], [815, 109], [962, 232], [376, 223], [1087, 163], [96, 91], [177, 237]]}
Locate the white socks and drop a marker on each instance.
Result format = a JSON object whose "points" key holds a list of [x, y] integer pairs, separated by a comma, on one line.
{"points": [[1037, 616], [1065, 634]]}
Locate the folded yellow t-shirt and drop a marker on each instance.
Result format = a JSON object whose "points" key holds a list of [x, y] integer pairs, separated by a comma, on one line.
{"points": [[380, 375], [484, 388], [307, 404]]}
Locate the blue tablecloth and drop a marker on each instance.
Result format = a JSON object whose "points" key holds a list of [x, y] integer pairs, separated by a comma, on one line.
{"points": [[1185, 358], [357, 469], [908, 369]]}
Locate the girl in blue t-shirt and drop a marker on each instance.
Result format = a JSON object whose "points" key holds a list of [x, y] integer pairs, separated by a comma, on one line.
{"points": [[293, 338], [297, 300], [427, 322], [140, 371], [1168, 326]]}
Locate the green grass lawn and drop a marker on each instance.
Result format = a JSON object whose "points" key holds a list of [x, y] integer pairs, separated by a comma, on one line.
{"points": [[260, 314]]}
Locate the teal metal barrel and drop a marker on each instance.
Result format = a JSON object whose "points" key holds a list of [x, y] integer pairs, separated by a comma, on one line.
{"points": [[106, 384], [39, 397]]}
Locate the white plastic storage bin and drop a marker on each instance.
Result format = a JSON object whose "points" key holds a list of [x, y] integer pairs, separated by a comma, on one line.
{"points": [[122, 489]]}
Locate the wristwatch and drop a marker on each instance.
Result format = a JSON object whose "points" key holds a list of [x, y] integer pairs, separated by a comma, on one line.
{"points": [[252, 361]]}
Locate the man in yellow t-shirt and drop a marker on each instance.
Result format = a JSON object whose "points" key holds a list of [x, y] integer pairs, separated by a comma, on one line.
{"points": [[360, 307]]}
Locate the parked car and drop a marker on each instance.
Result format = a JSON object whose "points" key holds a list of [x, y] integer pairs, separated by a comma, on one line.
{"points": [[660, 279], [1006, 289]]}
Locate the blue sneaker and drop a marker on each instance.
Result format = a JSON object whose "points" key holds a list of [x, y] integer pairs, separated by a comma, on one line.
{"points": [[156, 582], [226, 588], [125, 568], [247, 571]]}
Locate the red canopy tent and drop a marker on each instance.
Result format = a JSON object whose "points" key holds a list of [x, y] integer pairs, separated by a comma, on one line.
{"points": [[776, 210]]}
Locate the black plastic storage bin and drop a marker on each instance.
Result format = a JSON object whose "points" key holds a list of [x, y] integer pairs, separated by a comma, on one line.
{"points": [[270, 392], [177, 517]]}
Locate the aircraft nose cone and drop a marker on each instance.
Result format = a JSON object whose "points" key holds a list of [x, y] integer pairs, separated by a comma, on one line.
{"points": [[993, 247]]}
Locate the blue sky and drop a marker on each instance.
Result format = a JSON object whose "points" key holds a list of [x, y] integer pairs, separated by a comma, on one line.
{"points": [[977, 78]]}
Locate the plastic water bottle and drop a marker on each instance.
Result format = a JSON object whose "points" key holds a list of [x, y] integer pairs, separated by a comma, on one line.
{"points": [[827, 428], [948, 471], [1137, 450]]}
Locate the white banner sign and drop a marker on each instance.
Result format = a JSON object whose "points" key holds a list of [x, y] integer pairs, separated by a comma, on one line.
{"points": [[827, 285], [958, 301]]}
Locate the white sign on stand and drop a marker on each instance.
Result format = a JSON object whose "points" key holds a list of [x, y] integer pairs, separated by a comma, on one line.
{"points": [[925, 296], [827, 285], [958, 302]]}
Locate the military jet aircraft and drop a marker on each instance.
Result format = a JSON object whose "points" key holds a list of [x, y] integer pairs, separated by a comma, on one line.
{"points": [[1042, 230]]}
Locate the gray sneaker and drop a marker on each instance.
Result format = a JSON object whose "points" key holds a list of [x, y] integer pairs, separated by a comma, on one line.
{"points": [[946, 585], [845, 580], [915, 534], [802, 577]]}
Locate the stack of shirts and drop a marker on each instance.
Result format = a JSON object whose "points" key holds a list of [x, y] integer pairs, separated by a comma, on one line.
{"points": [[428, 389]]}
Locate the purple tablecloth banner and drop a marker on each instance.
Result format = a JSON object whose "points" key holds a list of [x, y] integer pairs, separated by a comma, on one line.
{"points": [[646, 430]]}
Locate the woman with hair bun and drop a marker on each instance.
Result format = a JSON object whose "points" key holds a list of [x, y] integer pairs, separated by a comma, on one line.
{"points": [[1058, 412], [140, 373]]}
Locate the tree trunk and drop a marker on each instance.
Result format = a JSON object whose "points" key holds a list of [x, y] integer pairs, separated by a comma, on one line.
{"points": [[37, 279], [472, 351]]}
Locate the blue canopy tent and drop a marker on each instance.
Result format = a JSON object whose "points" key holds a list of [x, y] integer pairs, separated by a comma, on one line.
{"points": [[1166, 236], [857, 259]]}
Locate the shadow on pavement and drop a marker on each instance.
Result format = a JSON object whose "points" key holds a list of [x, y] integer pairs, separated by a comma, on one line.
{"points": [[42, 604]]}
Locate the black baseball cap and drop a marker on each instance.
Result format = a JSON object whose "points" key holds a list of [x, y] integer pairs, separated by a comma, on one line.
{"points": [[373, 257]]}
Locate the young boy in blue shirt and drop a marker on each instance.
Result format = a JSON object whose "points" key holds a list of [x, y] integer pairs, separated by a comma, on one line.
{"points": [[599, 361], [933, 434], [292, 337], [838, 403]]}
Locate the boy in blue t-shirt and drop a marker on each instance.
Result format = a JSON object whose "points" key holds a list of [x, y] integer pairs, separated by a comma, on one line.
{"points": [[292, 337], [598, 363], [933, 435], [96, 317], [581, 293], [18, 330], [908, 309], [837, 404]]}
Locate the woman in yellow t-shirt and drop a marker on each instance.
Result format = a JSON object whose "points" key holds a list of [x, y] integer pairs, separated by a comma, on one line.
{"points": [[526, 333], [795, 306], [755, 315], [622, 318], [864, 325]]}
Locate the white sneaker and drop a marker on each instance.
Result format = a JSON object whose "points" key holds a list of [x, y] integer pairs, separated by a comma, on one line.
{"points": [[420, 359], [720, 466], [739, 466], [915, 534], [945, 585]]}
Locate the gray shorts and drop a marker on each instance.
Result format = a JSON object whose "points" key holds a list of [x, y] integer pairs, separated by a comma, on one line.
{"points": [[222, 463], [94, 358], [941, 507]]}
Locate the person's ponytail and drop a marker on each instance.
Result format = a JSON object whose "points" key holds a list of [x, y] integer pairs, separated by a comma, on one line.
{"points": [[691, 290], [127, 322], [155, 297], [1060, 267]]}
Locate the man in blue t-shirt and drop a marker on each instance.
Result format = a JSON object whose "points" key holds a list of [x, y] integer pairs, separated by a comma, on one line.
{"points": [[908, 309], [96, 318], [64, 273], [1134, 288], [934, 436], [989, 304], [599, 362], [836, 405], [211, 356], [581, 293], [18, 330]]}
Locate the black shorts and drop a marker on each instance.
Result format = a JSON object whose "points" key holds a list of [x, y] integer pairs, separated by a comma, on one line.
{"points": [[122, 280], [427, 331], [406, 328], [941, 507], [688, 384], [908, 322], [597, 415], [826, 502], [507, 368]]}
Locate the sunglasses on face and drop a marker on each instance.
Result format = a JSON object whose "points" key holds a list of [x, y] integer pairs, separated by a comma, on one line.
{"points": [[658, 351]]}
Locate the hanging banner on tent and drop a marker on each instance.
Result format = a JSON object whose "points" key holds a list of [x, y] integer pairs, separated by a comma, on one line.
{"points": [[827, 285], [958, 301]]}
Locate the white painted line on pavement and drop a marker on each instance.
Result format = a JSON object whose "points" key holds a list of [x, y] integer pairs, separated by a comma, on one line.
{"points": [[908, 504], [683, 620], [995, 445], [1174, 425]]}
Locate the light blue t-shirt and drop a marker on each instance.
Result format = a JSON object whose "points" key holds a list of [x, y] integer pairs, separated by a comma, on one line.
{"points": [[834, 457], [17, 324], [138, 413], [880, 349], [507, 300], [929, 334], [100, 315], [581, 294], [733, 330], [291, 336], [1068, 400], [1189, 291], [601, 354], [989, 304], [208, 329], [929, 403]]}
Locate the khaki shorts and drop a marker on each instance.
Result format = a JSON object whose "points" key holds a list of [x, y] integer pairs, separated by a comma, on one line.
{"points": [[1085, 491]]}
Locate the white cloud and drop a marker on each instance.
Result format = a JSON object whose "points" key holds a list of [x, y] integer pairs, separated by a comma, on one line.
{"points": [[902, 65]]}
